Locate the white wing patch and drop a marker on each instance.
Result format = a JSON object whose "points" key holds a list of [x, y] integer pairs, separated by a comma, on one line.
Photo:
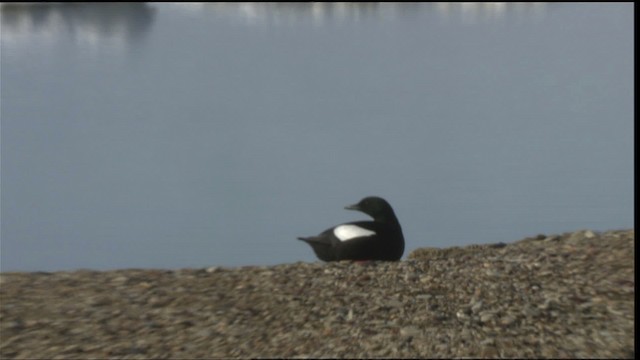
{"points": [[349, 232]]}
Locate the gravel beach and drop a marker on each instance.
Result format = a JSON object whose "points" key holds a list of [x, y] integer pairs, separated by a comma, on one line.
{"points": [[569, 295]]}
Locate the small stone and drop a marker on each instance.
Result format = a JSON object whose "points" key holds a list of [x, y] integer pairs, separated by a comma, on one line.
{"points": [[393, 303], [16, 325], [488, 342], [119, 279], [350, 315], [549, 303], [585, 307], [462, 316], [442, 348], [441, 316], [410, 277], [99, 301], [507, 320], [411, 331], [492, 273], [531, 312], [475, 308], [485, 317]]}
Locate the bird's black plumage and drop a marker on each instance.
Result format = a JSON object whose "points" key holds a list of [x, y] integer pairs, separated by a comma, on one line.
{"points": [[380, 239]]}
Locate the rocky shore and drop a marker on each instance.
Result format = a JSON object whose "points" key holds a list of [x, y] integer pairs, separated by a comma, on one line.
{"points": [[566, 296]]}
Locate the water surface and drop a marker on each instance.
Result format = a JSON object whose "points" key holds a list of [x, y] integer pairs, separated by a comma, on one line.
{"points": [[181, 135]]}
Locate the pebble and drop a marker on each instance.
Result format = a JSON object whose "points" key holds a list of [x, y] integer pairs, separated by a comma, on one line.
{"points": [[488, 342], [475, 308], [507, 320], [485, 317], [410, 331]]}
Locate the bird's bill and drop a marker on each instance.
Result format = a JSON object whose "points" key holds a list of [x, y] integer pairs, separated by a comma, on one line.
{"points": [[352, 207]]}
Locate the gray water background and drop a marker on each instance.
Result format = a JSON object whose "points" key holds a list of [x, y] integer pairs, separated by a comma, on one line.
{"points": [[190, 135]]}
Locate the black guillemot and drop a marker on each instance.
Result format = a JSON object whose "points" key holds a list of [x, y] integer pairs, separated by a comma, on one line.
{"points": [[380, 239]]}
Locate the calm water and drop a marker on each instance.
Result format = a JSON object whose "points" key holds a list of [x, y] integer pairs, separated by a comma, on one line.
{"points": [[177, 135]]}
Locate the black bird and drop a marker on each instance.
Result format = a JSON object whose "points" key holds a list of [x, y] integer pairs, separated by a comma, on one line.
{"points": [[380, 239]]}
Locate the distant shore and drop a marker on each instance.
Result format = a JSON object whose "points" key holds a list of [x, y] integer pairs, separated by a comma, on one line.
{"points": [[569, 295]]}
